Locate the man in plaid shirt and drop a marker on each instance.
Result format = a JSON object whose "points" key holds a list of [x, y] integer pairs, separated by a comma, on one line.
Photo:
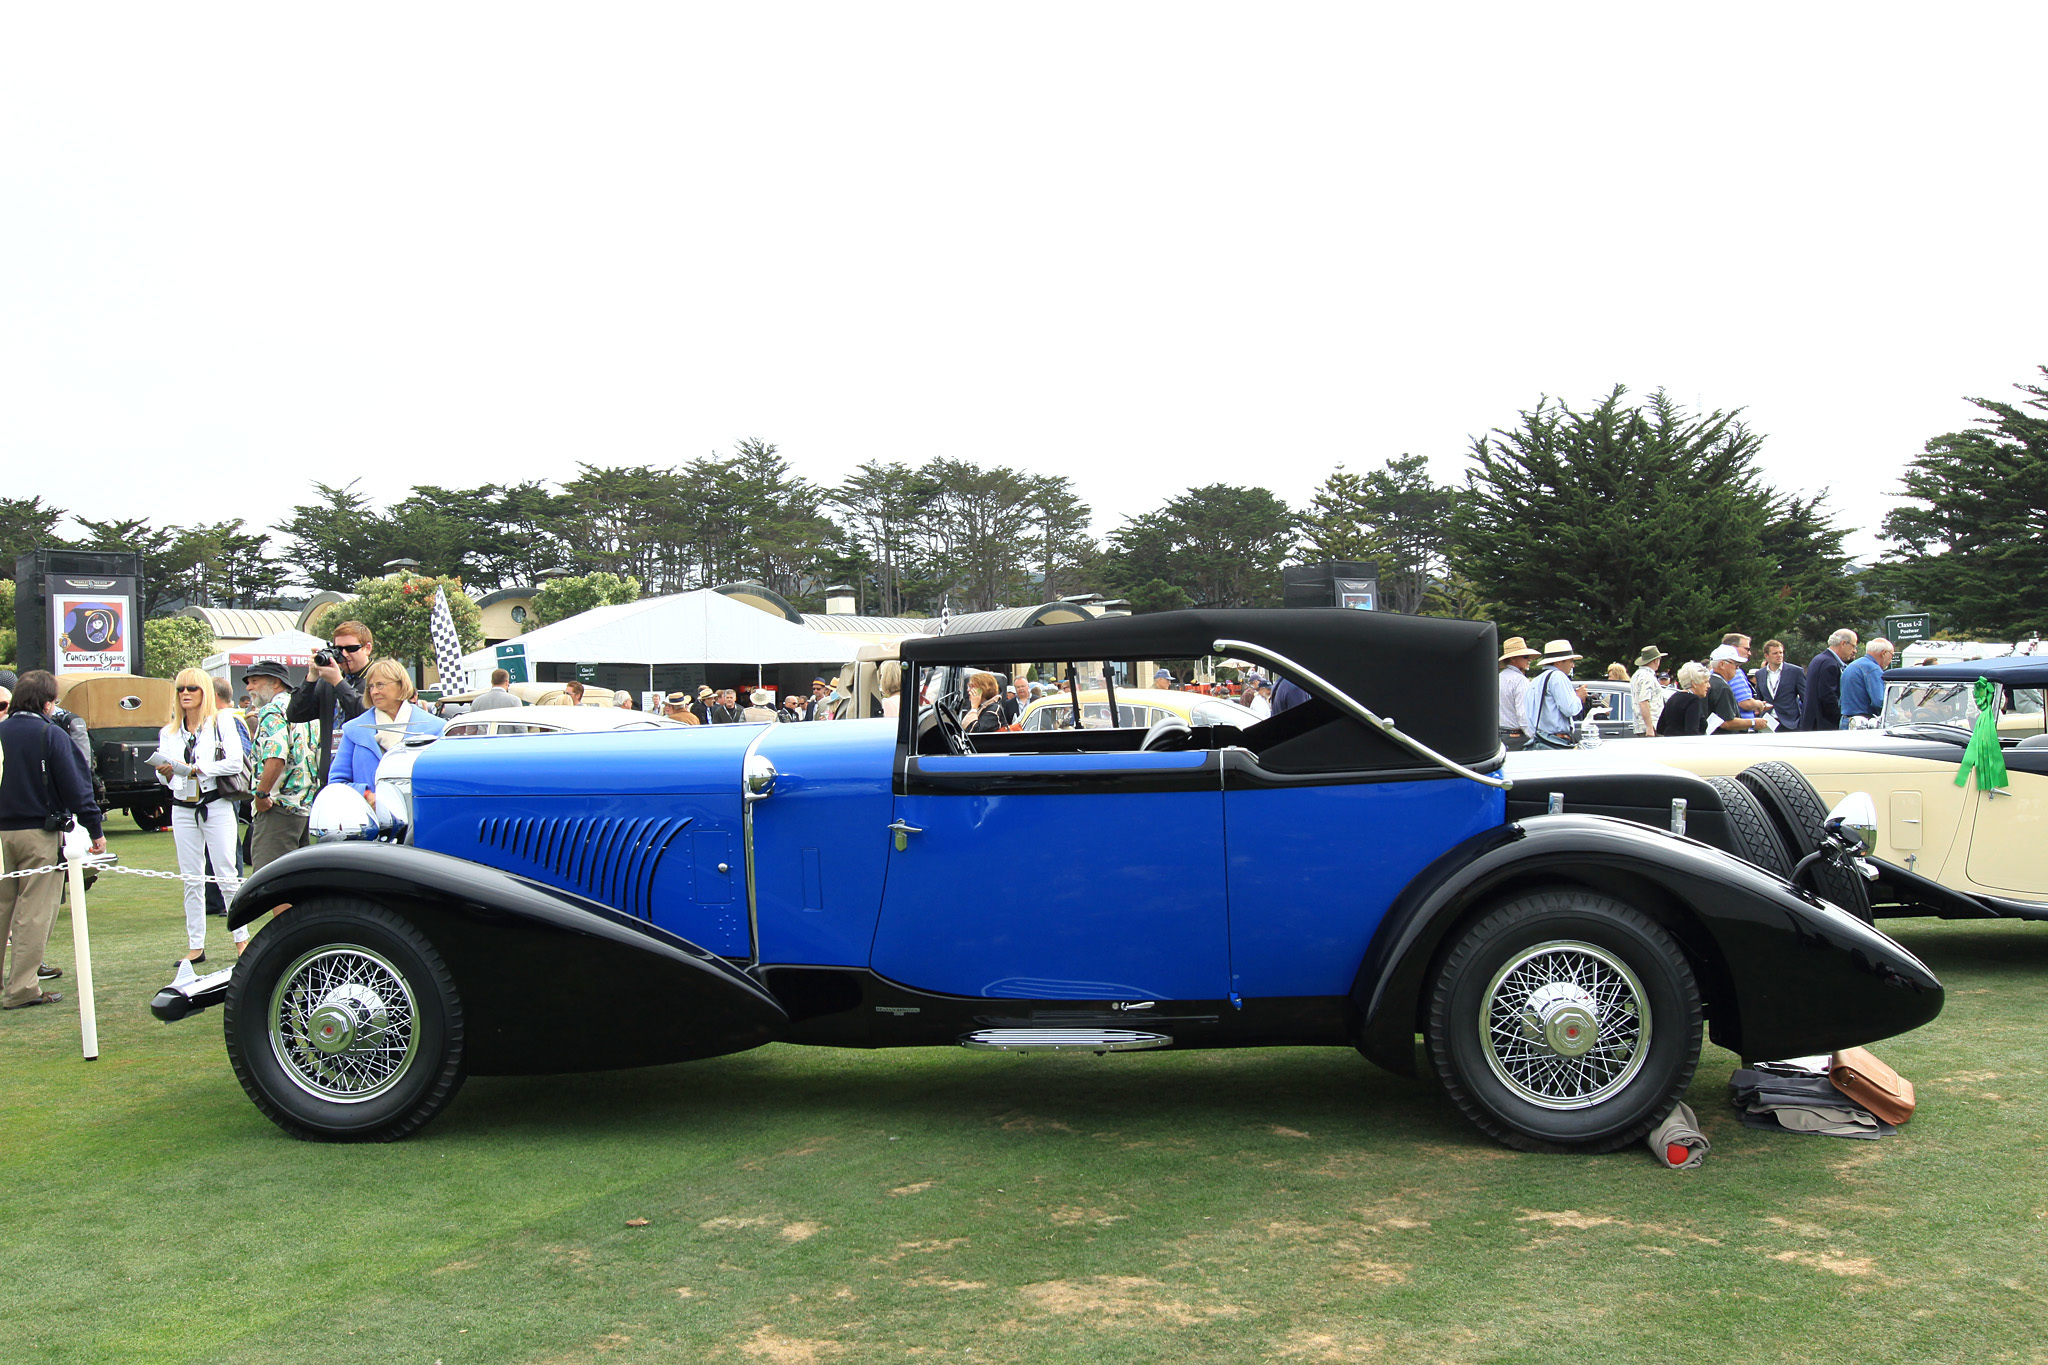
{"points": [[288, 768]]}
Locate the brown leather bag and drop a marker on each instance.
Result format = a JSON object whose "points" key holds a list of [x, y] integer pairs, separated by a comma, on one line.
{"points": [[1872, 1085]]}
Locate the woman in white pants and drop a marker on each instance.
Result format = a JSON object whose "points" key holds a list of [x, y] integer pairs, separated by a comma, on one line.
{"points": [[192, 752]]}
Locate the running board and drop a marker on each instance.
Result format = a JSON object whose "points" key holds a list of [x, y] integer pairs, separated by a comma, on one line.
{"points": [[1062, 1040]]}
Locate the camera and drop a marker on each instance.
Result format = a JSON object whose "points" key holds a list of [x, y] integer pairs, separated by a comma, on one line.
{"points": [[323, 658], [57, 823]]}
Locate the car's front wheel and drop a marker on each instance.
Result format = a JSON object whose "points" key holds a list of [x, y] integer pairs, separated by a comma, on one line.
{"points": [[343, 1023], [1565, 1020]]}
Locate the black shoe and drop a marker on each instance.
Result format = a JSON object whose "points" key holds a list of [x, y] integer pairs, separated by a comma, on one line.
{"points": [[222, 913], [46, 998], [48, 973], [195, 961]]}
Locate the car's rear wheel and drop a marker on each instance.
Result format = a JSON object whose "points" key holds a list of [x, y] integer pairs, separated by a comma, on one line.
{"points": [[1795, 808], [343, 1023], [1565, 1021], [1755, 838]]}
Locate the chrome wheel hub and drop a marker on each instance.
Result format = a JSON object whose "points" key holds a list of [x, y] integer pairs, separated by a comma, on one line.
{"points": [[342, 1024], [1565, 1025]]}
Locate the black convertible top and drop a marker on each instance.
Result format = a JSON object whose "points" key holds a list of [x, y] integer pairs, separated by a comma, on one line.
{"points": [[1436, 679]]}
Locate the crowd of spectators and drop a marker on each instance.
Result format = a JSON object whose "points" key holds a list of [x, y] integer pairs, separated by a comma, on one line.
{"points": [[1729, 692]]}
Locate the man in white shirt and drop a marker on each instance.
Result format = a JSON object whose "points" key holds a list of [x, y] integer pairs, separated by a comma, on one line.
{"points": [[1647, 691], [1514, 681]]}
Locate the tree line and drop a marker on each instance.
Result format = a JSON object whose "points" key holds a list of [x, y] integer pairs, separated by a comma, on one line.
{"points": [[1628, 522]]}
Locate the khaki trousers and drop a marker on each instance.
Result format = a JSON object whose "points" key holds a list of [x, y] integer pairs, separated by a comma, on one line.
{"points": [[274, 833], [28, 906]]}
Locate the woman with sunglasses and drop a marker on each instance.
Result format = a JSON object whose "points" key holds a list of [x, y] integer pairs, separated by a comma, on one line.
{"points": [[192, 753]]}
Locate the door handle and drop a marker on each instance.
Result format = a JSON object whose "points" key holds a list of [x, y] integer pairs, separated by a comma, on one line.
{"points": [[903, 833]]}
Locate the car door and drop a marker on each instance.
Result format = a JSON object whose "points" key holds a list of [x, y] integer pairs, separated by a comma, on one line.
{"points": [[1057, 877]]}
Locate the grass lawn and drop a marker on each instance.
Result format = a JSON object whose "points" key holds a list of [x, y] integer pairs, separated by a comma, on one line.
{"points": [[809, 1206]]}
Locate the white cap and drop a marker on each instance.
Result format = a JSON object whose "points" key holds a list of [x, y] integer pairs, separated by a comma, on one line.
{"points": [[1724, 652]]}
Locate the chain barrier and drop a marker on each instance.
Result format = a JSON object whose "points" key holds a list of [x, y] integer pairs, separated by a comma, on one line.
{"points": [[114, 869]]}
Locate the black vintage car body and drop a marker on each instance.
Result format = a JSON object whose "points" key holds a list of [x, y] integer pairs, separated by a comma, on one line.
{"points": [[1344, 873]]}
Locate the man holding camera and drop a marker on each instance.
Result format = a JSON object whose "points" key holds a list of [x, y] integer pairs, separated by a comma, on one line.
{"points": [[44, 786], [333, 694]]}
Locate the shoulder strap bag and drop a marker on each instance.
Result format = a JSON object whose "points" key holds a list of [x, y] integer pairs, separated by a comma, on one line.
{"points": [[235, 785]]}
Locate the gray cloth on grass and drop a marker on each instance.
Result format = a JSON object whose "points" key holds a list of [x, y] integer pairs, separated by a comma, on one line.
{"points": [[1681, 1131]]}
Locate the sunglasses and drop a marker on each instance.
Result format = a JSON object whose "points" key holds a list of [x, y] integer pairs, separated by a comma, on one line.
{"points": [[188, 687], [349, 649]]}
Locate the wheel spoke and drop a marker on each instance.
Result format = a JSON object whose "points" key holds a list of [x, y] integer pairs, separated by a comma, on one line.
{"points": [[342, 1023], [1565, 1025]]}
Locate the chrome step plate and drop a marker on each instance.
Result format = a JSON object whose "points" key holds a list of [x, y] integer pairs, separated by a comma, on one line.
{"points": [[1063, 1040]]}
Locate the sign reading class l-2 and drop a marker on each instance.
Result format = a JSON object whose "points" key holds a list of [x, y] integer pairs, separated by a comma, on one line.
{"points": [[1904, 630]]}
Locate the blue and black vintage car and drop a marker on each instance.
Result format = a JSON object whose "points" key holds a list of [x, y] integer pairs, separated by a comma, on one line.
{"points": [[1343, 874]]}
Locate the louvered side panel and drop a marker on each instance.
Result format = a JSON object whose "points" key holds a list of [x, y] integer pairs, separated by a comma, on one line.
{"points": [[610, 859]]}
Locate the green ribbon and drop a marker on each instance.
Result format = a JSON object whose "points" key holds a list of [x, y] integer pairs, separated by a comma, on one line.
{"points": [[1984, 754]]}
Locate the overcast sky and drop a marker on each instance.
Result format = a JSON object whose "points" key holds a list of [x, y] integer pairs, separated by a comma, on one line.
{"points": [[1147, 246]]}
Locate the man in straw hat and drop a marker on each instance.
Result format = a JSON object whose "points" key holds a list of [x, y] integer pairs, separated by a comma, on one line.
{"points": [[1648, 692], [1553, 703], [1514, 681]]}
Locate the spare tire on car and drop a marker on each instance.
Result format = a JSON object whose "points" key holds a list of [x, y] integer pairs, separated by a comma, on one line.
{"points": [[1795, 808], [1755, 836]]}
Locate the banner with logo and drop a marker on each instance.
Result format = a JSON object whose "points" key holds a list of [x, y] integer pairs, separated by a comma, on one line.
{"points": [[94, 627]]}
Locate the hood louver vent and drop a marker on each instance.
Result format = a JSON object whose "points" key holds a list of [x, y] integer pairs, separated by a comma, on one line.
{"points": [[610, 860]]}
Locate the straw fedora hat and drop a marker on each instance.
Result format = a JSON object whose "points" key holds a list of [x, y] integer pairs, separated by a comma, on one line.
{"points": [[1557, 651], [1517, 648]]}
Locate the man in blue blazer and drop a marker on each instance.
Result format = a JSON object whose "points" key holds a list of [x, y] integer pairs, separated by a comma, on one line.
{"points": [[1781, 684], [1823, 700]]}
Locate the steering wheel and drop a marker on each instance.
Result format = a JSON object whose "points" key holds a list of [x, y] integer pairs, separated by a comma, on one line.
{"points": [[1168, 734], [952, 725]]}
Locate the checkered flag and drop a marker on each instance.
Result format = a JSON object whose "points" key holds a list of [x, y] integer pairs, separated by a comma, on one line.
{"points": [[447, 644]]}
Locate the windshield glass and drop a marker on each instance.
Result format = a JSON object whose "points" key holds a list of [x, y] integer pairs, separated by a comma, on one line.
{"points": [[1955, 703]]}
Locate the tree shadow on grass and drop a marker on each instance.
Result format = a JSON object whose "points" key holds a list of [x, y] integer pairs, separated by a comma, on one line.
{"points": [[1330, 1090]]}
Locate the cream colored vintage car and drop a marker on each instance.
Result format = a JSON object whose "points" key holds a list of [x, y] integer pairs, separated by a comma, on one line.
{"points": [[1985, 844]]}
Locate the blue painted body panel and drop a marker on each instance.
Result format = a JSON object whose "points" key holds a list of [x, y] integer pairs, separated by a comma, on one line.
{"points": [[1089, 895], [821, 842], [1313, 869], [638, 820]]}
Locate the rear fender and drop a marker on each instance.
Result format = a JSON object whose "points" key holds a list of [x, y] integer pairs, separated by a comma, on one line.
{"points": [[1784, 974], [549, 981]]}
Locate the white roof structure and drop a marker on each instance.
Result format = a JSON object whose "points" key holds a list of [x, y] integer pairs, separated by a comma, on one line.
{"points": [[686, 628], [292, 648]]}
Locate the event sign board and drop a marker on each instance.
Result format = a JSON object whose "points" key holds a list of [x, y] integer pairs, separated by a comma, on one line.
{"points": [[92, 622], [1904, 630], [79, 611], [512, 658]]}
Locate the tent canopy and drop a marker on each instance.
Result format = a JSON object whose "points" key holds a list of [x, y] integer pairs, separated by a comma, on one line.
{"points": [[703, 627]]}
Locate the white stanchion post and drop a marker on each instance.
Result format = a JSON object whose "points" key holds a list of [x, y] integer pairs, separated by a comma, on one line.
{"points": [[81, 948]]}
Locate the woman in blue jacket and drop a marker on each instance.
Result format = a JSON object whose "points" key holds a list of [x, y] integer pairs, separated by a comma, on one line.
{"points": [[388, 717]]}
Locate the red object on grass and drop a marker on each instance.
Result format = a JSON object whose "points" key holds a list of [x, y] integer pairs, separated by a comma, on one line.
{"points": [[1677, 1153]]}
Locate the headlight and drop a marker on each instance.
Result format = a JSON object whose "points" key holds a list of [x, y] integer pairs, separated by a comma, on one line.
{"points": [[1857, 814], [393, 810], [340, 813]]}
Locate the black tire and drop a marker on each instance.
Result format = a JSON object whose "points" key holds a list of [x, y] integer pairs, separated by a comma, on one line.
{"points": [[339, 963], [1617, 1097], [1755, 836], [1795, 808], [152, 818]]}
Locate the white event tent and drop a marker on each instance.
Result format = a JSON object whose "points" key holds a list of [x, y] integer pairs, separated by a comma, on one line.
{"points": [[703, 627]]}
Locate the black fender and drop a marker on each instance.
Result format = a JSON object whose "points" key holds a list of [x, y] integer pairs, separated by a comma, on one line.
{"points": [[1784, 973], [549, 981]]}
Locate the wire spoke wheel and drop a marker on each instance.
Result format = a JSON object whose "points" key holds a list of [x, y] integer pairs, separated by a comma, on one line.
{"points": [[343, 1024], [1565, 1025]]}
